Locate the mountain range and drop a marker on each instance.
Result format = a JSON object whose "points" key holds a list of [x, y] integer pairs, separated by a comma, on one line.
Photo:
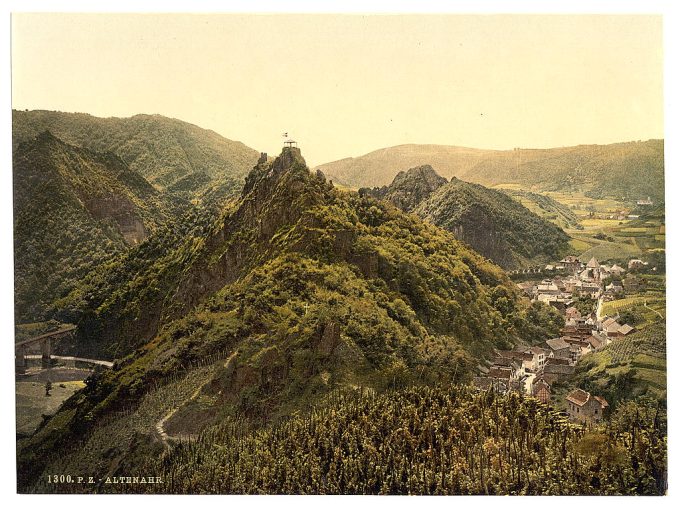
{"points": [[624, 171]]}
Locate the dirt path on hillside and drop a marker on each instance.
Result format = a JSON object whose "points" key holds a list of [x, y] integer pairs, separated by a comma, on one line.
{"points": [[655, 311], [159, 428]]}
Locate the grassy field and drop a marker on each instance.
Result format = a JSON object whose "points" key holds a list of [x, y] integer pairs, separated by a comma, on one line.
{"points": [[31, 402], [610, 239], [583, 205]]}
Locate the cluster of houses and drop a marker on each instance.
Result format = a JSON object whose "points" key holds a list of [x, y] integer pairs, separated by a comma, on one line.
{"points": [[534, 370], [622, 213], [574, 278]]}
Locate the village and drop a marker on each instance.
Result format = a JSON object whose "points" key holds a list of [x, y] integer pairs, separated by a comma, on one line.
{"points": [[534, 370]]}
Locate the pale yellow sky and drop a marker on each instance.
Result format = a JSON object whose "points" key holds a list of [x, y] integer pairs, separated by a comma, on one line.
{"points": [[344, 85]]}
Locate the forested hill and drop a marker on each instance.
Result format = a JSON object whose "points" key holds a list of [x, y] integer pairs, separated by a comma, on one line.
{"points": [[169, 153], [491, 222], [305, 288], [409, 188], [625, 171], [73, 210]]}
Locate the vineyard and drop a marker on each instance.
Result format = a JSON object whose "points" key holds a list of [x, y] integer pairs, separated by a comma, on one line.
{"points": [[655, 302], [417, 441], [119, 431], [648, 341], [629, 367]]}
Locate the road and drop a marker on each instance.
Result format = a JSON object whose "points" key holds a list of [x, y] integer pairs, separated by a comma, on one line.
{"points": [[106, 364], [599, 309]]}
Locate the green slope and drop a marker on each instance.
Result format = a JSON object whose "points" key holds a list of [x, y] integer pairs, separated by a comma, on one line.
{"points": [[546, 207], [624, 171], [163, 150], [73, 210], [307, 289], [494, 224]]}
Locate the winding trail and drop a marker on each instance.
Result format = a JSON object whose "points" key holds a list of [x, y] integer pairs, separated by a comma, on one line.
{"points": [[160, 425], [655, 311]]}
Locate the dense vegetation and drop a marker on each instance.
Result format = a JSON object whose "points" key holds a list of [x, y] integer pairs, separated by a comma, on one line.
{"points": [[305, 340], [494, 224], [73, 210], [163, 150], [546, 207], [625, 171], [422, 441], [312, 289]]}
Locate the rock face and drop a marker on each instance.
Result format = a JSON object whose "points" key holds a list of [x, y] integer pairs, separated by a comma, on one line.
{"points": [[492, 223], [409, 188], [74, 208]]}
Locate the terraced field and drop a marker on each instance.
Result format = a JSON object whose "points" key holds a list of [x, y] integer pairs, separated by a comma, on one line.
{"points": [[653, 301], [610, 239]]}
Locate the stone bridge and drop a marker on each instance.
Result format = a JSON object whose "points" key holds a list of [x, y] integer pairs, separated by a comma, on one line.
{"points": [[44, 341]]}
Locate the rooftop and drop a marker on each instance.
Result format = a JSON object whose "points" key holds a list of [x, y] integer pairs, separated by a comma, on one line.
{"points": [[557, 344], [578, 397], [581, 397], [592, 263]]}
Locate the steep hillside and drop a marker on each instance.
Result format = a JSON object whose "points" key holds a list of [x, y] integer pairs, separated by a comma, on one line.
{"points": [[409, 188], [298, 291], [381, 166], [546, 207], [492, 223], [74, 209], [625, 171], [165, 151]]}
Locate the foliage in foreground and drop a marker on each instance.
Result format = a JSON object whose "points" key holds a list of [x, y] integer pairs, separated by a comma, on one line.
{"points": [[425, 441]]}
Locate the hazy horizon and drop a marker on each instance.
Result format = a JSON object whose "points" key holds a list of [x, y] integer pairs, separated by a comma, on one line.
{"points": [[347, 85]]}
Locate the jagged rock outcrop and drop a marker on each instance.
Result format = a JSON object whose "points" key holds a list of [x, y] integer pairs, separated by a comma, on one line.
{"points": [[409, 188], [307, 289]]}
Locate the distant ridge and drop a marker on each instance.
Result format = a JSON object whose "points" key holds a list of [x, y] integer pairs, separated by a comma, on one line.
{"points": [[165, 151], [625, 171]]}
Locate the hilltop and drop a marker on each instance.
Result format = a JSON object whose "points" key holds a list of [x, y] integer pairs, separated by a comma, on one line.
{"points": [[169, 153], [409, 188], [298, 290], [491, 222], [73, 210], [625, 171]]}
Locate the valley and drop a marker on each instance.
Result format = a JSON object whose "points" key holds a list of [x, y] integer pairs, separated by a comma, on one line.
{"points": [[286, 319]]}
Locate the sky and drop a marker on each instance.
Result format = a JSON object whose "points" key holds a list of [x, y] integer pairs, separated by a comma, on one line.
{"points": [[345, 85]]}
